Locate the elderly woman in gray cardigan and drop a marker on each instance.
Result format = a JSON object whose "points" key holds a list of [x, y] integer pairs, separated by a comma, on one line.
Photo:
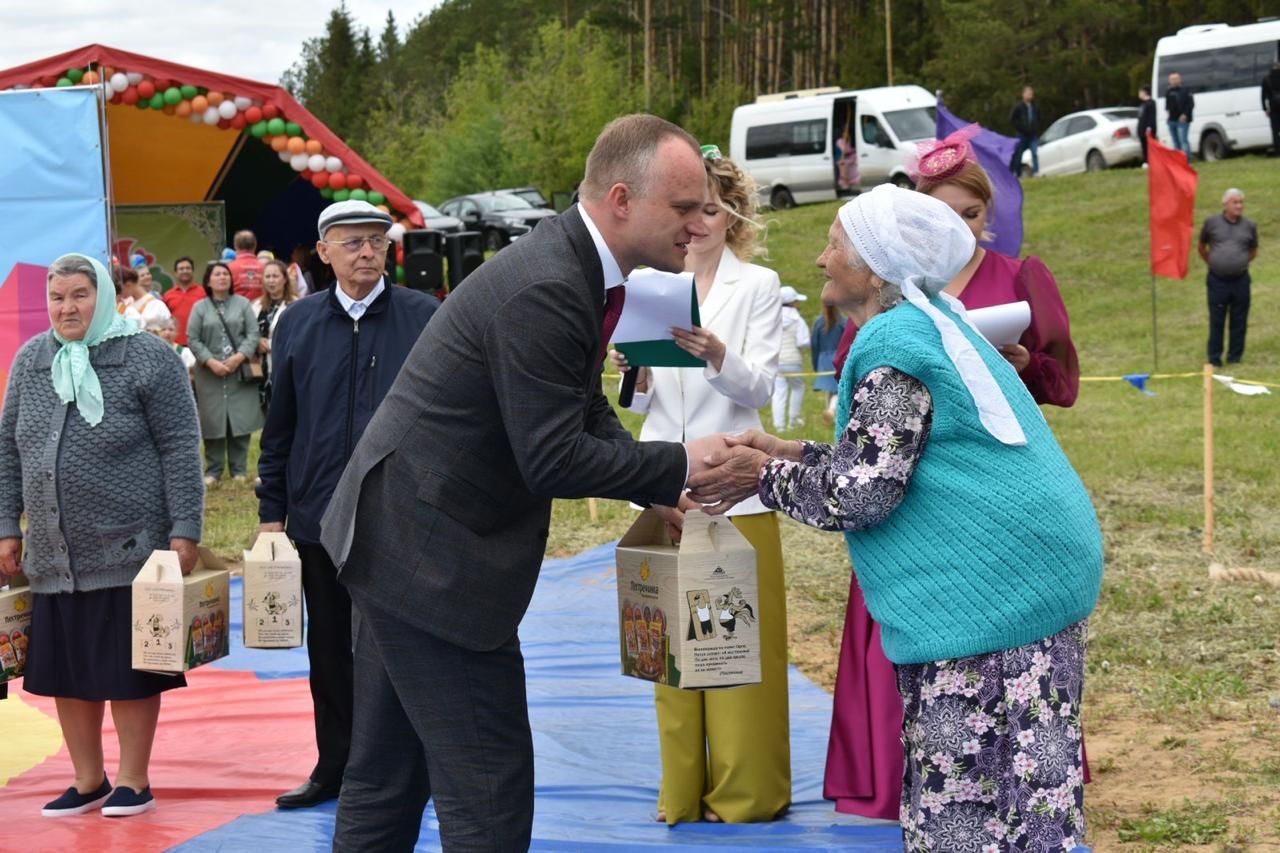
{"points": [[100, 448]]}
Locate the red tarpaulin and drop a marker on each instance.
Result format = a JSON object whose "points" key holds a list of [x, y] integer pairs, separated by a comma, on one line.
{"points": [[1172, 185]]}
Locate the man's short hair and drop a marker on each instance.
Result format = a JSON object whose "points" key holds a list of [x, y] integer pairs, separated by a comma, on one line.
{"points": [[244, 241], [1232, 193], [625, 151], [1145, 88], [188, 260], [130, 276]]}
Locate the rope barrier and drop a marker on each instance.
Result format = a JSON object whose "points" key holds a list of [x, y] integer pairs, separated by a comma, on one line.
{"points": [[1219, 572]]}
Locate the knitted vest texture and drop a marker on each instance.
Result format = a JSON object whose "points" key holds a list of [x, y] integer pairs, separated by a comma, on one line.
{"points": [[993, 546]]}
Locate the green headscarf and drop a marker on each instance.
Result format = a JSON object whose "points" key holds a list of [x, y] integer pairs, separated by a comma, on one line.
{"points": [[73, 376]]}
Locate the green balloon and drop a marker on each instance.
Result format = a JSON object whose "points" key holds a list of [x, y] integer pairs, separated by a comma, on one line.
{"points": [[201, 90], [63, 81], [75, 74], [143, 104], [292, 128], [173, 96], [341, 195], [275, 127], [156, 102], [326, 192], [399, 274], [189, 92], [376, 198], [258, 129], [359, 195]]}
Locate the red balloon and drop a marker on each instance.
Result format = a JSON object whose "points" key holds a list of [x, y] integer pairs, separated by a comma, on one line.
{"points": [[354, 182], [238, 122], [146, 89], [306, 174], [253, 115], [115, 99], [48, 80], [337, 181], [223, 124], [320, 180], [269, 111], [130, 95], [162, 84]]}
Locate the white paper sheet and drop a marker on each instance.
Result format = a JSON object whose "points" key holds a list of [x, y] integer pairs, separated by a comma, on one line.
{"points": [[1000, 324], [655, 302]]}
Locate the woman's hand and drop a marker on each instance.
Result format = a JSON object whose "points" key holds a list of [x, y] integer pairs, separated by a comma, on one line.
{"points": [[10, 556], [732, 476], [217, 368], [187, 554], [769, 444], [701, 343], [1017, 355], [642, 378], [264, 345]]}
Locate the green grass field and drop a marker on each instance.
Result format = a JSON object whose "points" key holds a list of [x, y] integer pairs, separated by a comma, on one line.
{"points": [[1183, 708]]}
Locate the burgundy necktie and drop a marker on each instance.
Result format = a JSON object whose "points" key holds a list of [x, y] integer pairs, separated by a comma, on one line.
{"points": [[613, 299]]}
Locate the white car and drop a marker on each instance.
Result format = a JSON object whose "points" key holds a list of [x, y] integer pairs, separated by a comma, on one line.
{"points": [[1088, 141]]}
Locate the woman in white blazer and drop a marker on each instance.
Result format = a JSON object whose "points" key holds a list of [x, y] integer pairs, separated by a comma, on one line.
{"points": [[726, 754]]}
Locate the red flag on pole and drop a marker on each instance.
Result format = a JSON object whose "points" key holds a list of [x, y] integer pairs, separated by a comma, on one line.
{"points": [[1171, 183]]}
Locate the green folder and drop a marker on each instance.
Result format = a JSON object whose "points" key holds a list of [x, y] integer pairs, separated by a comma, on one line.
{"points": [[664, 353]]}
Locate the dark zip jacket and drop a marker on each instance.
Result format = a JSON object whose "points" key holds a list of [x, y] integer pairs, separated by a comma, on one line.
{"points": [[328, 375]]}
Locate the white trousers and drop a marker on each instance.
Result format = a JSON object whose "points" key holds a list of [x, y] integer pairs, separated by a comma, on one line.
{"points": [[788, 397]]}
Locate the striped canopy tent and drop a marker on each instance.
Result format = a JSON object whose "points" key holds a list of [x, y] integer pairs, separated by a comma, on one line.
{"points": [[178, 135]]}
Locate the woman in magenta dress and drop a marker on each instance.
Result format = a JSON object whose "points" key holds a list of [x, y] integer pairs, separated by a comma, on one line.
{"points": [[864, 755]]}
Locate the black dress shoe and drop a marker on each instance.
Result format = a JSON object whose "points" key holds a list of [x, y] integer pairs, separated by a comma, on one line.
{"points": [[308, 794]]}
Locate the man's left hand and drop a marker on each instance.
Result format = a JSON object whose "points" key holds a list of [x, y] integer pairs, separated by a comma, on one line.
{"points": [[733, 476], [187, 554]]}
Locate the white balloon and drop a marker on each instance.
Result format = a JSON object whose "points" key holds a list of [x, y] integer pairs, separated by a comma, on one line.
{"points": [[243, 103], [284, 156], [211, 115], [133, 77], [396, 232], [227, 110], [333, 164], [119, 82], [299, 162], [316, 163]]}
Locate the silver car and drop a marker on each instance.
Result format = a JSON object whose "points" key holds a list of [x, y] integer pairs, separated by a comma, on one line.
{"points": [[1088, 141]]}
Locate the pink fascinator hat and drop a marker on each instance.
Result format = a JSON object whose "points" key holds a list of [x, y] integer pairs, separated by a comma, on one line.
{"points": [[938, 159]]}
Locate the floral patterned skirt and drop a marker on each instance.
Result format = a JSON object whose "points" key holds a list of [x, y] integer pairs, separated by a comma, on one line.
{"points": [[993, 757]]}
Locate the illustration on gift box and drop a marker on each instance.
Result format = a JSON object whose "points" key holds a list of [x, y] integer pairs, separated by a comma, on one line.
{"points": [[701, 627], [275, 606], [732, 607]]}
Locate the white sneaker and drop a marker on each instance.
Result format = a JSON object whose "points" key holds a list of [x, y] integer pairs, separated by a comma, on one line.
{"points": [[209, 481]]}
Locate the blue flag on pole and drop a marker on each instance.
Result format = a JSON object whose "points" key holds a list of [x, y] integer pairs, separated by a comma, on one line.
{"points": [[994, 153]]}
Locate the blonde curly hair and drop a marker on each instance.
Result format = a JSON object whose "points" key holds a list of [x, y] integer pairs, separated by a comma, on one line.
{"points": [[738, 196]]}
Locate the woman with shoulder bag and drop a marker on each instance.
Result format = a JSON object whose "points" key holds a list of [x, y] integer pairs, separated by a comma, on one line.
{"points": [[223, 335]]}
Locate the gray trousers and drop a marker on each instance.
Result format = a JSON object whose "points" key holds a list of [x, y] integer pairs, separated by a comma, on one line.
{"points": [[435, 721], [219, 451]]}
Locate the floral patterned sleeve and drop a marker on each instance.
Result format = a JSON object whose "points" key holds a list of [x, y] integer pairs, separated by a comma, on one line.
{"points": [[858, 482]]}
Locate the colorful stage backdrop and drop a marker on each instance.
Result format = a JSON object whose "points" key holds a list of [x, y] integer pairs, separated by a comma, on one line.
{"points": [[162, 233], [53, 200]]}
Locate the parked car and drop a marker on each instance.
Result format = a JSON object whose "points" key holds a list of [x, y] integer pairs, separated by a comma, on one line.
{"points": [[501, 217], [1088, 141], [529, 194], [437, 221]]}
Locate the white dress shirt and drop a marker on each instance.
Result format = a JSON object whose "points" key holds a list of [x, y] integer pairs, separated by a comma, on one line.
{"points": [[355, 308]]}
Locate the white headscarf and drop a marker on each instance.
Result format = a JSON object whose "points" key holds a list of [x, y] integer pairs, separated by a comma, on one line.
{"points": [[919, 243]]}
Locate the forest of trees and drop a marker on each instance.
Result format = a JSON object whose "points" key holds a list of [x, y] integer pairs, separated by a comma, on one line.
{"points": [[487, 93]]}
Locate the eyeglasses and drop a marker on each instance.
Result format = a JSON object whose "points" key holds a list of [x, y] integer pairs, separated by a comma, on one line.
{"points": [[377, 242]]}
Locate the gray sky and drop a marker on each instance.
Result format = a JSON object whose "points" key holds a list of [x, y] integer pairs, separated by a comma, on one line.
{"points": [[258, 40]]}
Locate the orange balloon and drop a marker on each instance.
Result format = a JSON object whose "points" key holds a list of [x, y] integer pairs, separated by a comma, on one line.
{"points": [[108, 72], [183, 108], [314, 147], [90, 77], [279, 143], [215, 98], [170, 109], [297, 145], [199, 103], [384, 208]]}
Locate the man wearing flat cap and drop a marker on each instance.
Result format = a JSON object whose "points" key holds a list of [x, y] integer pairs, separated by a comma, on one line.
{"points": [[335, 354]]}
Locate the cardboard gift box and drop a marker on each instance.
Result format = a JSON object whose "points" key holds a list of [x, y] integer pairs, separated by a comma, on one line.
{"points": [[15, 627], [272, 594], [688, 613], [180, 623]]}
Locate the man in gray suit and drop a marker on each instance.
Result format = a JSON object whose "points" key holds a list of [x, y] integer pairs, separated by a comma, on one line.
{"points": [[439, 524]]}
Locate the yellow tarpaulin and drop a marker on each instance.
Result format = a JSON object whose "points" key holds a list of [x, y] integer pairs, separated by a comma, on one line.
{"points": [[159, 159]]}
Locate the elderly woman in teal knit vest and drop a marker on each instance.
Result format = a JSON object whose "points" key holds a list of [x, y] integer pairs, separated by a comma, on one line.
{"points": [[941, 458], [100, 448]]}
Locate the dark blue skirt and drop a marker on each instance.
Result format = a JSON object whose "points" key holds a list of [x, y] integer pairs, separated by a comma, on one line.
{"points": [[81, 648]]}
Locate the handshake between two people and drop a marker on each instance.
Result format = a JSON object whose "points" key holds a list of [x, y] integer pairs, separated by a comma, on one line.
{"points": [[724, 470]]}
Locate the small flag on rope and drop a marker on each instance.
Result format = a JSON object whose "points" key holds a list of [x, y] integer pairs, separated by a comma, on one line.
{"points": [[1139, 381], [1241, 387]]}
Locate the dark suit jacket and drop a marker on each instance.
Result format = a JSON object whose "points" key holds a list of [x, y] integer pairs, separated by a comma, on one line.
{"points": [[441, 516]]}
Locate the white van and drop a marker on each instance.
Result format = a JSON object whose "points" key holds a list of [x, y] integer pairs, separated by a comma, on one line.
{"points": [[1223, 67], [792, 143]]}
